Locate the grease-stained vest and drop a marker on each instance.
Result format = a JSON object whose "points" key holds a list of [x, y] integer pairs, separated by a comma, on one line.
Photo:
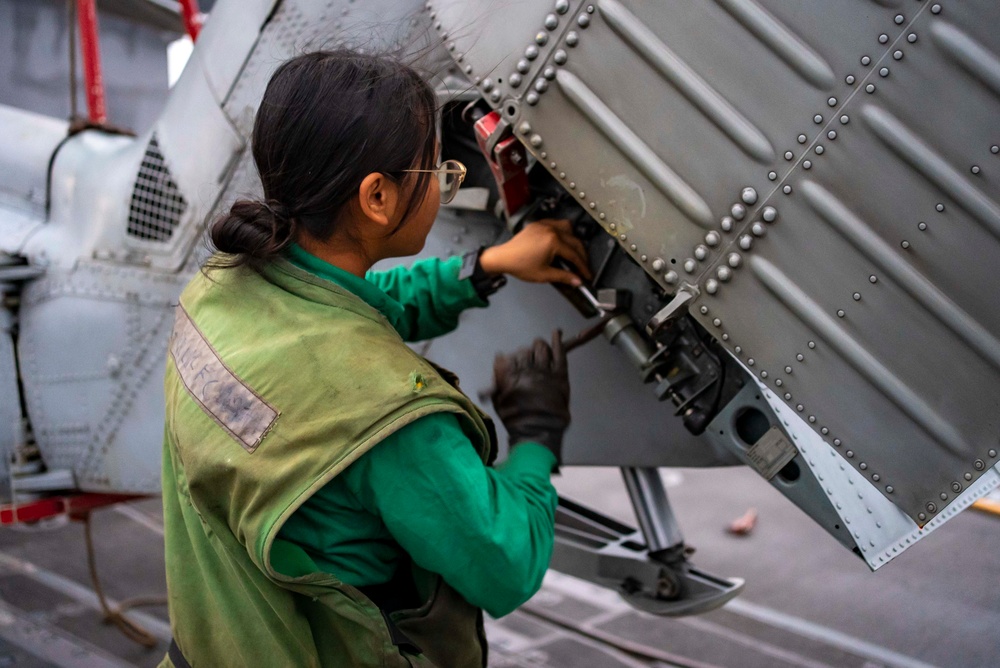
{"points": [[275, 383]]}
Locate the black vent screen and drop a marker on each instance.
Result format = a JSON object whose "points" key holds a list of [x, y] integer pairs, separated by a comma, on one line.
{"points": [[157, 204]]}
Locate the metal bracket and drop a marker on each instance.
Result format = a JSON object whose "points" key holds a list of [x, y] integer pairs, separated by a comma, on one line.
{"points": [[684, 294]]}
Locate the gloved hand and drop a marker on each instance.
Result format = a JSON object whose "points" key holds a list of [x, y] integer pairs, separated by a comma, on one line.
{"points": [[531, 394]]}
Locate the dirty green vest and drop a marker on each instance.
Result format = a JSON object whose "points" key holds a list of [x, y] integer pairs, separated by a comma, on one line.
{"points": [[275, 383]]}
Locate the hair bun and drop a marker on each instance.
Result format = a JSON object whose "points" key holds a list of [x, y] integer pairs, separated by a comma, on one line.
{"points": [[253, 232]]}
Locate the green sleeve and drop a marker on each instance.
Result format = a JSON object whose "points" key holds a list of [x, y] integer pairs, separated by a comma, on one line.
{"points": [[431, 294], [487, 531]]}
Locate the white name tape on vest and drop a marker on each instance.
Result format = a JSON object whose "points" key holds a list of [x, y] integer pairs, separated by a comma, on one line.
{"points": [[219, 391]]}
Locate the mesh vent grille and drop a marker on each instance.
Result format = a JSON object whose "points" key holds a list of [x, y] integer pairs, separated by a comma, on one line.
{"points": [[157, 204]]}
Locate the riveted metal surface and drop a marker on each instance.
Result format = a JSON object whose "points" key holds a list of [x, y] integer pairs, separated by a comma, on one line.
{"points": [[882, 251], [94, 390], [877, 162], [880, 529]]}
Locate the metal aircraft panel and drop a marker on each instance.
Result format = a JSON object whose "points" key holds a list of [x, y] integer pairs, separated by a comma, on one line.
{"points": [[797, 224], [94, 390]]}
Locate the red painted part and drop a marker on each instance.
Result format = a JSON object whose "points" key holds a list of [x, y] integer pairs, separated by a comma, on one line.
{"points": [[90, 47], [74, 506], [193, 18], [508, 163]]}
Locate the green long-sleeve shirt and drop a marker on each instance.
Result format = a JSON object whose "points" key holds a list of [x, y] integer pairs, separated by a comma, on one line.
{"points": [[423, 491]]}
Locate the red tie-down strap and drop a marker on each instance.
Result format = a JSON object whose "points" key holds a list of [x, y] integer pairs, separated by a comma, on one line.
{"points": [[73, 505]]}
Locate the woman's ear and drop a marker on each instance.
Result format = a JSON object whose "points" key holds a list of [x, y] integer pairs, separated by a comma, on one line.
{"points": [[377, 199]]}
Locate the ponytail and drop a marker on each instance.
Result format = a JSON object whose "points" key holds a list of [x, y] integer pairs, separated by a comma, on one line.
{"points": [[252, 233]]}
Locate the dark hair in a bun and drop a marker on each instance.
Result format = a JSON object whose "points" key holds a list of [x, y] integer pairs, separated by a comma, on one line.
{"points": [[253, 232], [326, 121]]}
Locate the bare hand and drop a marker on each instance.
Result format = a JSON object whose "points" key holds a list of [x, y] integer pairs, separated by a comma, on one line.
{"points": [[529, 255]]}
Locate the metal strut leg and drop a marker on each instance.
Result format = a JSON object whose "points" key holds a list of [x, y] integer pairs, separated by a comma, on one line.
{"points": [[652, 509]]}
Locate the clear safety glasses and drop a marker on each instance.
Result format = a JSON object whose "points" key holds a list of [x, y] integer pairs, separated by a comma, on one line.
{"points": [[450, 175]]}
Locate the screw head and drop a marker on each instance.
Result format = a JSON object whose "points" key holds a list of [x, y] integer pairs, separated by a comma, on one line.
{"points": [[979, 464]]}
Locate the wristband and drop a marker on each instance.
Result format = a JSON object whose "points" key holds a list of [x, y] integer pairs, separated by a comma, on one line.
{"points": [[484, 284]]}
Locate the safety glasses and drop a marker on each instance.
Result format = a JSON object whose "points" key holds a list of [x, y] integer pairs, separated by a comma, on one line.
{"points": [[450, 175]]}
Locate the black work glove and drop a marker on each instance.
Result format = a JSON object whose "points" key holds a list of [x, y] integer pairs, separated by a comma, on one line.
{"points": [[531, 394]]}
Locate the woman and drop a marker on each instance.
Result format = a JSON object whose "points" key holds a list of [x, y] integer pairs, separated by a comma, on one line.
{"points": [[327, 494]]}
